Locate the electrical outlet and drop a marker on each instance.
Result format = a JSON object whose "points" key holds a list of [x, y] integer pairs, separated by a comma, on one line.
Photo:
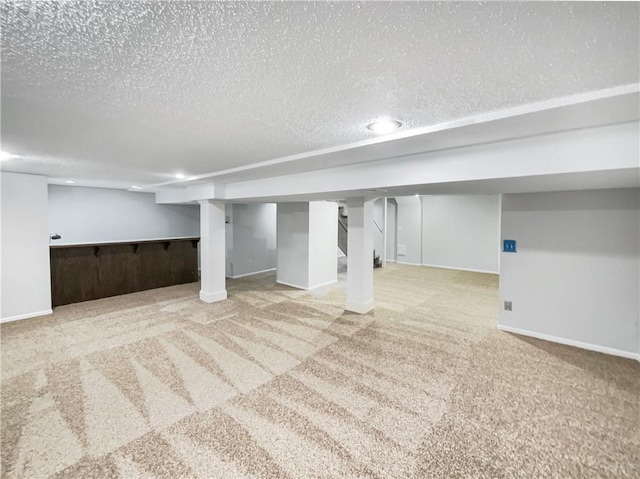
{"points": [[507, 306]]}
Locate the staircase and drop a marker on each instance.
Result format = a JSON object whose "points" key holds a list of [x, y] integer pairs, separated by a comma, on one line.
{"points": [[343, 228]]}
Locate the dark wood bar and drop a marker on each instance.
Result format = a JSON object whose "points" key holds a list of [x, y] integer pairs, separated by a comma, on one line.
{"points": [[98, 270]]}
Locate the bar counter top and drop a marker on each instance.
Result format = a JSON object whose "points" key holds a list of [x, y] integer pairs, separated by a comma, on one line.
{"points": [[119, 242]]}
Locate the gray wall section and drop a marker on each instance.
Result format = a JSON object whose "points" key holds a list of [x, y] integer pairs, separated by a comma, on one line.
{"points": [[409, 230], [392, 228], [461, 231], [576, 273], [86, 215], [451, 231], [253, 238], [293, 244]]}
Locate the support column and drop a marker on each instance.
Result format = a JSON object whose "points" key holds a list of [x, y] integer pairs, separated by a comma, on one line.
{"points": [[212, 251], [306, 244], [360, 256]]}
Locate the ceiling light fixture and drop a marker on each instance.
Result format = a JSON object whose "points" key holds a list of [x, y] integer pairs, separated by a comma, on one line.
{"points": [[4, 155], [180, 176], [384, 126], [136, 187], [70, 182]]}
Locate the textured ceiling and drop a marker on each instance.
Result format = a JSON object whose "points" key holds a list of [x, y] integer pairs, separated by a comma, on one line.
{"points": [[136, 91]]}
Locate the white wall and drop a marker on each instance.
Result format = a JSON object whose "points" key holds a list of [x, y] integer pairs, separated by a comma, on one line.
{"points": [[253, 239], [576, 276], [409, 230], [323, 238], [26, 280], [85, 215], [293, 244], [461, 231]]}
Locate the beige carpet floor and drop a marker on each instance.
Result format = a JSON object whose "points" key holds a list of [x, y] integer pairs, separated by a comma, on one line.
{"points": [[276, 383]]}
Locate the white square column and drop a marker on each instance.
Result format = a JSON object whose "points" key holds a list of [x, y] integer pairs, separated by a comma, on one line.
{"points": [[212, 251], [360, 256], [307, 235]]}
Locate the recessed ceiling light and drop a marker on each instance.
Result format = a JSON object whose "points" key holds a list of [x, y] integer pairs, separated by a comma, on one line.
{"points": [[70, 182], [384, 126], [136, 187], [180, 176], [4, 155]]}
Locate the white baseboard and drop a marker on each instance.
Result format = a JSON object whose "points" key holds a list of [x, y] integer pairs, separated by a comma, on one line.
{"points": [[26, 316], [571, 342], [333, 281], [471, 270], [213, 297], [445, 267], [251, 274], [390, 260], [297, 286], [358, 307]]}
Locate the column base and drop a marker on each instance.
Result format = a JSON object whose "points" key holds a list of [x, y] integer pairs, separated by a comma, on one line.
{"points": [[358, 307], [291, 285], [213, 297], [322, 285]]}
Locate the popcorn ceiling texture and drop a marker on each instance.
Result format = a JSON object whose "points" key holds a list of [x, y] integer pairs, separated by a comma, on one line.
{"points": [[274, 383], [102, 88]]}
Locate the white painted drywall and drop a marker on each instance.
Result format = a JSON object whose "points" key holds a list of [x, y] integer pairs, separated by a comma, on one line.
{"points": [[559, 161], [253, 239], [323, 238], [212, 229], [359, 260], [26, 280], [82, 215], [576, 275], [292, 244], [409, 244], [461, 231]]}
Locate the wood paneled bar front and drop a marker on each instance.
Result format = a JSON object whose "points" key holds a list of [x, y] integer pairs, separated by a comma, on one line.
{"points": [[86, 271]]}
